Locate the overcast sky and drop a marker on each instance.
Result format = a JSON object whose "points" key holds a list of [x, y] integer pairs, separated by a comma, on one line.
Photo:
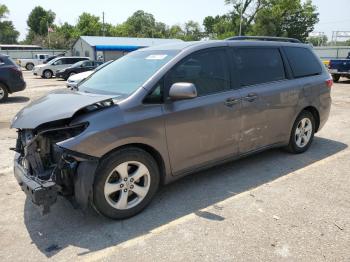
{"points": [[334, 15]]}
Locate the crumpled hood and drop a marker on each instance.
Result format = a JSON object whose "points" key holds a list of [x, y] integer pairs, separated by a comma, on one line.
{"points": [[57, 105]]}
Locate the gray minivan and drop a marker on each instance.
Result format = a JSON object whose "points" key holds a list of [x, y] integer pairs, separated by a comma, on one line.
{"points": [[163, 112]]}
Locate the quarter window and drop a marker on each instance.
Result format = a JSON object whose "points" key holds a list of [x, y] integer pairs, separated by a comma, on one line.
{"points": [[156, 96], [259, 65], [302, 61], [207, 70]]}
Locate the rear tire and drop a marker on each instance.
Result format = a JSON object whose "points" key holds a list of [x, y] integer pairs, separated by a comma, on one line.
{"points": [[336, 78], [47, 74], [3, 93], [302, 133], [125, 183], [29, 66]]}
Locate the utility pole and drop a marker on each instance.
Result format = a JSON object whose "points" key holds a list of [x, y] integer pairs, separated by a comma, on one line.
{"points": [[48, 34], [103, 24], [240, 19]]}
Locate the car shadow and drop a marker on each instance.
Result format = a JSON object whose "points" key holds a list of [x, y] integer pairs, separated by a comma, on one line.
{"points": [[16, 99], [342, 81], [66, 226]]}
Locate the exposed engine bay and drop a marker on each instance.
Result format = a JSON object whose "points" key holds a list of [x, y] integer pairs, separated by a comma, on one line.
{"points": [[45, 170], [51, 169]]}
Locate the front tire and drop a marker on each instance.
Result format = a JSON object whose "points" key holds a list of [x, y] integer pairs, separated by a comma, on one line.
{"points": [[302, 133], [47, 74], [125, 183], [29, 66], [3, 93]]}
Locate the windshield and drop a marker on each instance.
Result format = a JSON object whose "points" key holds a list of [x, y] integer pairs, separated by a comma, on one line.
{"points": [[128, 73], [53, 60]]}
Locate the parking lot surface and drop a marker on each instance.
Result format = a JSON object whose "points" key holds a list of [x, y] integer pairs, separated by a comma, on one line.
{"points": [[271, 206]]}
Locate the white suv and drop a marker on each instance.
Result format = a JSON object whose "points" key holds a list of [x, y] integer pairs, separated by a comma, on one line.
{"points": [[48, 70]]}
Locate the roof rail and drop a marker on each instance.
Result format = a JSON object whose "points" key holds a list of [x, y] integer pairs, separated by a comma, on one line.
{"points": [[265, 38]]}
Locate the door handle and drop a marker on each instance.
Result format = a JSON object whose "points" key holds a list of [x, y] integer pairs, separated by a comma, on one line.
{"points": [[251, 97], [232, 101]]}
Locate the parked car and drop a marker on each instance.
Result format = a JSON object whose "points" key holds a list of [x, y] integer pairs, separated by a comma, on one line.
{"points": [[11, 77], [53, 57], [74, 80], [339, 68], [49, 70], [163, 112], [76, 68], [30, 63]]}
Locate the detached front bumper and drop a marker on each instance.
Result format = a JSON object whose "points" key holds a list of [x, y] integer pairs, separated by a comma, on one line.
{"points": [[42, 194]]}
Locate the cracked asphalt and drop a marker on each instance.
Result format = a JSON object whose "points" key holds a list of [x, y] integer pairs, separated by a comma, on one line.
{"points": [[271, 206]]}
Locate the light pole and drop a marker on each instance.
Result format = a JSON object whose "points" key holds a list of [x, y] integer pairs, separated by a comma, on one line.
{"points": [[240, 19]]}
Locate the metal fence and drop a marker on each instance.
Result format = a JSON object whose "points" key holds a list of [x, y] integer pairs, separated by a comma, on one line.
{"points": [[332, 52], [21, 54]]}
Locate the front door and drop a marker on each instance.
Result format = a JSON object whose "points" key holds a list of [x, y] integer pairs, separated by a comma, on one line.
{"points": [[205, 129]]}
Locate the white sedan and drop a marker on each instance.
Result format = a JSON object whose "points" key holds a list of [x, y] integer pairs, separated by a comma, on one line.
{"points": [[74, 80]]}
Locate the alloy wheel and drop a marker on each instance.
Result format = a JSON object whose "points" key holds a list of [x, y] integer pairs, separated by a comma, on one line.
{"points": [[127, 185], [2, 93], [303, 132], [47, 74]]}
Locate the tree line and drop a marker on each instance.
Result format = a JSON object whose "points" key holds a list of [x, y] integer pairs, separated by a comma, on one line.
{"points": [[287, 18]]}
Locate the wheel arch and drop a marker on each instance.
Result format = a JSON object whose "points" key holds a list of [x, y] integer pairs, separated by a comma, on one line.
{"points": [[5, 85], [150, 150], [48, 69], [28, 63], [313, 110]]}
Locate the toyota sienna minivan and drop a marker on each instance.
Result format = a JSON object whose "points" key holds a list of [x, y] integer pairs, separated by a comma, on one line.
{"points": [[163, 112]]}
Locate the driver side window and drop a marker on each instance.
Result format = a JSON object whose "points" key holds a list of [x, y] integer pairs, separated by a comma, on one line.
{"points": [[207, 70], [58, 62]]}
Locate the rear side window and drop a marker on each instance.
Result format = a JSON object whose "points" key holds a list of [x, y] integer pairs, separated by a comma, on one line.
{"points": [[302, 61], [207, 70], [259, 65], [75, 60]]}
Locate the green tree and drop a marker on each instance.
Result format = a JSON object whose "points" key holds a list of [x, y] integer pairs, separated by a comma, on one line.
{"points": [[247, 10], [317, 40], [141, 24], [289, 18], [176, 32], [8, 33], [38, 21], [192, 31], [220, 27], [121, 30], [89, 24]]}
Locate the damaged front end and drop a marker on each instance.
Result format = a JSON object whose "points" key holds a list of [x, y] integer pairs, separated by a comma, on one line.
{"points": [[45, 170]]}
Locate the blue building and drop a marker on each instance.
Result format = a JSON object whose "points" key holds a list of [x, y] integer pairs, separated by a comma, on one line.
{"points": [[111, 48]]}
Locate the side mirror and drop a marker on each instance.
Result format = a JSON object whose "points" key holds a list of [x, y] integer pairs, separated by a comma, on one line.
{"points": [[179, 91]]}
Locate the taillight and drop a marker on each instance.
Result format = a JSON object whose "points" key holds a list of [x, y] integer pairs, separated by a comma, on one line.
{"points": [[329, 82]]}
